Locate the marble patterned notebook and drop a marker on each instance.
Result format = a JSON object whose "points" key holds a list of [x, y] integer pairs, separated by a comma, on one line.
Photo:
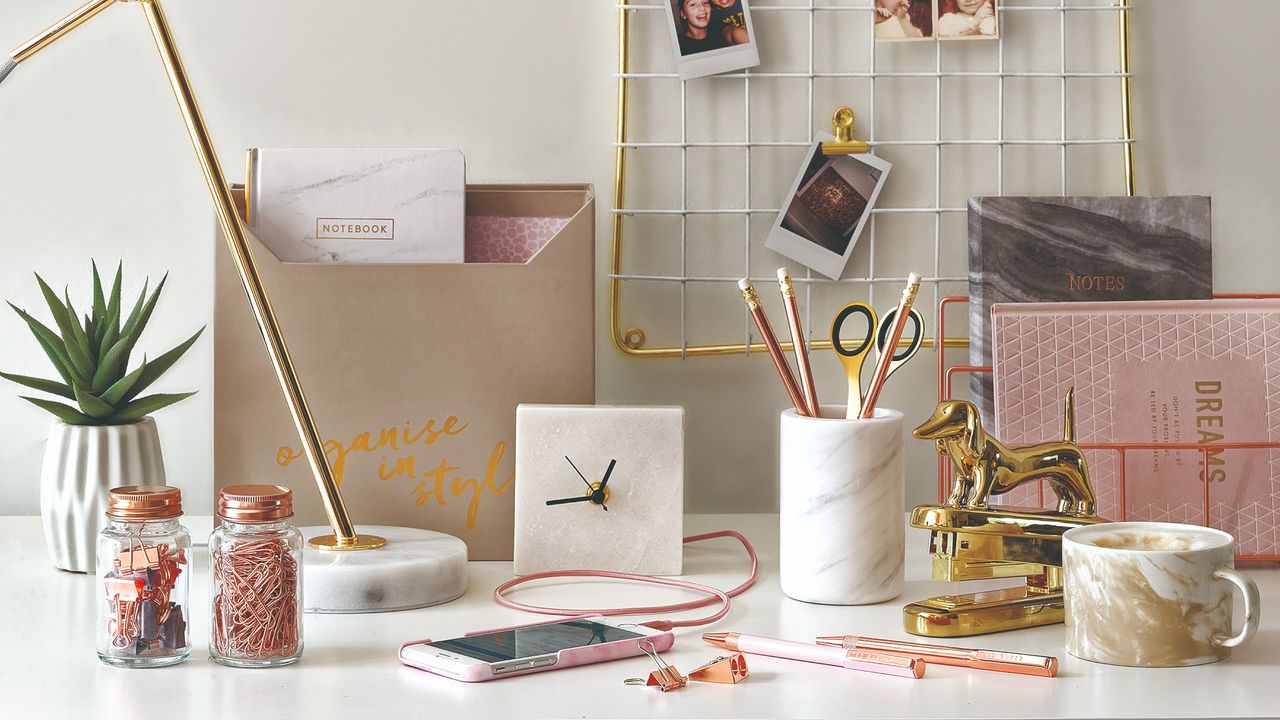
{"points": [[1077, 249], [359, 205], [1199, 371]]}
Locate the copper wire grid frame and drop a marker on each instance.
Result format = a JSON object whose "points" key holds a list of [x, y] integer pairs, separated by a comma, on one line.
{"points": [[947, 373], [632, 340]]}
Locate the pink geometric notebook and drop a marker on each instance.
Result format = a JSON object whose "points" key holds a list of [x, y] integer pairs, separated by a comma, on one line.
{"points": [[1189, 371]]}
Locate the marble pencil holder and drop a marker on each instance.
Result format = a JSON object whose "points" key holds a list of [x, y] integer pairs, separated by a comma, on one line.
{"points": [[842, 507]]}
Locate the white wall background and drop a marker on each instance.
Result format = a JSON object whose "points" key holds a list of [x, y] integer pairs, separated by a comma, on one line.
{"points": [[94, 162]]}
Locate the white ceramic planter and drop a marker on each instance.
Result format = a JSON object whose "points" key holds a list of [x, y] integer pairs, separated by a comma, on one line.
{"points": [[842, 500], [81, 463]]}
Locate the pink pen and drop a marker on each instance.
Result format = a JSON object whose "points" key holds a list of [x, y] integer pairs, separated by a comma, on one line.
{"points": [[867, 661]]}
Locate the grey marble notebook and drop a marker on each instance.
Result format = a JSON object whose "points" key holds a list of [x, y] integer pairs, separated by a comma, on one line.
{"points": [[1075, 249]]}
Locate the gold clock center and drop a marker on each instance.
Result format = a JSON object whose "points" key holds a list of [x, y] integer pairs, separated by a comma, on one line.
{"points": [[594, 488]]}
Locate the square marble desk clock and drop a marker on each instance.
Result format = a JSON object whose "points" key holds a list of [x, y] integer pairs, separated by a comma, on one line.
{"points": [[599, 488]]}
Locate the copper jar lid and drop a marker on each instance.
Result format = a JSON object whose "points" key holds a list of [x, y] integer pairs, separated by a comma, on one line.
{"points": [[255, 503], [144, 502]]}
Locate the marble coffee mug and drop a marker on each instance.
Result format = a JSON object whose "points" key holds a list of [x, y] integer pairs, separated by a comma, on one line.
{"points": [[1147, 594], [842, 507]]}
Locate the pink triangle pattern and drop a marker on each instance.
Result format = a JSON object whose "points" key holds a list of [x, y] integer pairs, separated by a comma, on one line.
{"points": [[1040, 350]]}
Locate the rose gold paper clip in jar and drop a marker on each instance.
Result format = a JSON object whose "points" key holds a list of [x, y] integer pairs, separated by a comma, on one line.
{"points": [[256, 579]]}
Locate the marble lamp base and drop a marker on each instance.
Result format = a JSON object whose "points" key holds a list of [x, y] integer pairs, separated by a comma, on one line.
{"points": [[416, 568]]}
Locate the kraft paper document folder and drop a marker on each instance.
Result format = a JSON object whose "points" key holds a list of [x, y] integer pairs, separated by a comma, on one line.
{"points": [[413, 372]]}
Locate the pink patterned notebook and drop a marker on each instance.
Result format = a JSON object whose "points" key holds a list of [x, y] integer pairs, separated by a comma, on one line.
{"points": [[506, 239], [1189, 371]]}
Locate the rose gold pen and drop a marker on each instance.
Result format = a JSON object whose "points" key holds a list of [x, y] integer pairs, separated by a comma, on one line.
{"points": [[997, 660], [771, 342], [798, 343], [864, 660]]}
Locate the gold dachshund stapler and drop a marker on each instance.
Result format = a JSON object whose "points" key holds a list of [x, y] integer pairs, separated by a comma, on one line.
{"points": [[972, 540]]}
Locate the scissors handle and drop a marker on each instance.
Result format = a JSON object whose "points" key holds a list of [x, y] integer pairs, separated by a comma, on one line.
{"points": [[900, 357], [864, 347], [852, 358], [854, 405]]}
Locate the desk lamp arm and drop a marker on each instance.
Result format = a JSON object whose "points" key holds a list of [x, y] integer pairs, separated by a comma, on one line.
{"points": [[344, 537]]}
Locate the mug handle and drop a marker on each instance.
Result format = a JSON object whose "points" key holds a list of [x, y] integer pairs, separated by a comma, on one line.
{"points": [[1251, 602]]}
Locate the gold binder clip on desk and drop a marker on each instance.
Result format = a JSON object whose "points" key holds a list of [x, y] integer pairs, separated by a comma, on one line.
{"points": [[971, 540]]}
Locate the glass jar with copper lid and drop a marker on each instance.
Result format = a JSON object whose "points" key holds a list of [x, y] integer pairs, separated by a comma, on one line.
{"points": [[144, 572], [255, 578]]}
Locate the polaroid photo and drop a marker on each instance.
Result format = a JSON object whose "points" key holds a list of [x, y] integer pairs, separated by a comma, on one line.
{"points": [[711, 36], [826, 208], [966, 20], [904, 19]]}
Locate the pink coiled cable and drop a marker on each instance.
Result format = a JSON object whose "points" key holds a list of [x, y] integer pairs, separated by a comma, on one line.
{"points": [[715, 593]]}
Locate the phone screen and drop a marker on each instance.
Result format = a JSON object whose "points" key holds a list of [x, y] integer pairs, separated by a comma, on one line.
{"points": [[536, 640]]}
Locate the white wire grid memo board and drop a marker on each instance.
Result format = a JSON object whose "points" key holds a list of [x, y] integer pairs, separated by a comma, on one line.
{"points": [[702, 165]]}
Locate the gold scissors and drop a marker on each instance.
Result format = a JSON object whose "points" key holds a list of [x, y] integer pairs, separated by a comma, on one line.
{"points": [[877, 331]]}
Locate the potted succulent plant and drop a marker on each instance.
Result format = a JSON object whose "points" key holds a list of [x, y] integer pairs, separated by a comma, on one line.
{"points": [[104, 436]]}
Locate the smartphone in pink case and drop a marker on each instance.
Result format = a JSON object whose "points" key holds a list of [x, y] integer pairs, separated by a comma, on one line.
{"points": [[537, 647]]}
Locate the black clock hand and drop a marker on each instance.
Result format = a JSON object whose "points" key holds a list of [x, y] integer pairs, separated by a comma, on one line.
{"points": [[565, 501], [600, 490], [607, 473], [575, 469]]}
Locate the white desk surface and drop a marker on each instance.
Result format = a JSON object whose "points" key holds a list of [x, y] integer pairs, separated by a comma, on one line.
{"points": [[349, 669]]}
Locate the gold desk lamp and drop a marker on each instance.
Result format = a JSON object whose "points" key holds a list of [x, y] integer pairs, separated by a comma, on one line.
{"points": [[971, 540], [344, 535]]}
